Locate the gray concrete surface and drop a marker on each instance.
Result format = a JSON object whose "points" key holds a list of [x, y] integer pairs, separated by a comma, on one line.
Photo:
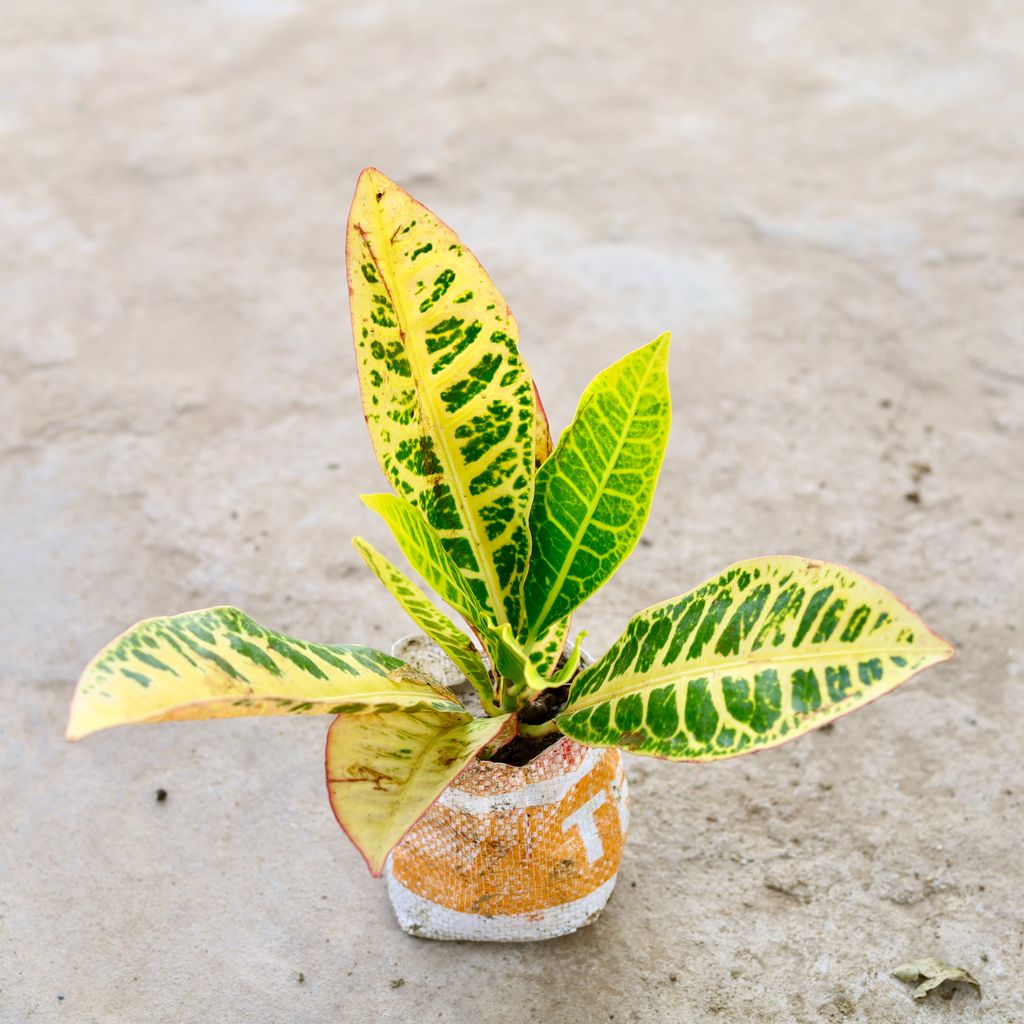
{"points": [[824, 201]]}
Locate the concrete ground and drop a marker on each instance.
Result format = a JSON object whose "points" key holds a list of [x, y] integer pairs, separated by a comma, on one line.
{"points": [[823, 201]]}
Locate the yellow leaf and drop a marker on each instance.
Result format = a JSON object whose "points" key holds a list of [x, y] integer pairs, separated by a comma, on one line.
{"points": [[384, 769]]}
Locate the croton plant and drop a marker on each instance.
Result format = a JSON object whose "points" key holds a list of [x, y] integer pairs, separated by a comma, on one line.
{"points": [[513, 534]]}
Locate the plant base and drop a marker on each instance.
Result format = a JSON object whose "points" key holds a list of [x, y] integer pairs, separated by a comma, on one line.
{"points": [[515, 854]]}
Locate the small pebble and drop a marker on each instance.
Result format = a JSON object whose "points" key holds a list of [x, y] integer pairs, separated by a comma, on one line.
{"points": [[161, 795]]}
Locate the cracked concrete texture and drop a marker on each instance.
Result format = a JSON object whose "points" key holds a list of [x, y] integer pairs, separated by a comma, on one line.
{"points": [[824, 202]]}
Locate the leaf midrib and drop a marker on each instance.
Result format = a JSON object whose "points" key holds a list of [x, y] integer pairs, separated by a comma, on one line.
{"points": [[667, 676]]}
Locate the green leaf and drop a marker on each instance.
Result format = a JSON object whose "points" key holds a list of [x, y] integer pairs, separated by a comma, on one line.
{"points": [[449, 403], [422, 611], [761, 654], [594, 493], [219, 663], [384, 769], [516, 665]]}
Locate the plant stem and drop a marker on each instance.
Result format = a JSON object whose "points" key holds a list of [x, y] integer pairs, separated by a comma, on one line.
{"points": [[540, 729], [487, 702], [508, 699], [489, 706]]}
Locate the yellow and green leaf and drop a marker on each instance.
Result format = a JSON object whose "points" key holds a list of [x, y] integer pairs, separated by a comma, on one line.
{"points": [[542, 431], [425, 614], [594, 493], [423, 547], [757, 656], [219, 663], [448, 402], [385, 769], [547, 649]]}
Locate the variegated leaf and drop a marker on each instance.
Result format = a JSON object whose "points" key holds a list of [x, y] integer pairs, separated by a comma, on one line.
{"points": [[423, 612], [594, 493], [448, 402], [423, 547], [384, 769], [542, 431], [219, 663], [759, 655], [547, 649]]}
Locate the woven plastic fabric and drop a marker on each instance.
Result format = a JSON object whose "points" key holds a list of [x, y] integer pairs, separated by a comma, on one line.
{"points": [[510, 854]]}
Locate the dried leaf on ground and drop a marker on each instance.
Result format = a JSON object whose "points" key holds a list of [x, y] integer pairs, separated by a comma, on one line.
{"points": [[935, 973]]}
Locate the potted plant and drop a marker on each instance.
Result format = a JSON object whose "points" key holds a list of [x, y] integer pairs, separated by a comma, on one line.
{"points": [[509, 823]]}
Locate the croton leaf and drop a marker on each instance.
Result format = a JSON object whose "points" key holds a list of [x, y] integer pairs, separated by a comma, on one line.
{"points": [[542, 430], [421, 544], [448, 402], [594, 493], [219, 663], [766, 651], [384, 769], [547, 649], [423, 612], [516, 665]]}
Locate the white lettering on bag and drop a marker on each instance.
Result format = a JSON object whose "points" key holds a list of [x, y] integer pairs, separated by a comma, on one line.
{"points": [[583, 819]]}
